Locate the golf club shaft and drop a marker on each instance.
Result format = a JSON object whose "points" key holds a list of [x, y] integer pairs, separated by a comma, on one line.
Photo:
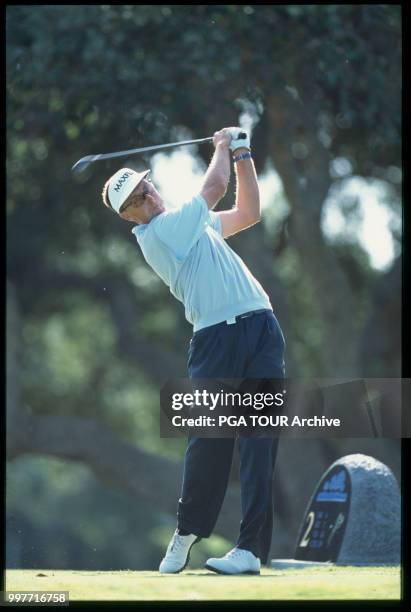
{"points": [[85, 161], [153, 148]]}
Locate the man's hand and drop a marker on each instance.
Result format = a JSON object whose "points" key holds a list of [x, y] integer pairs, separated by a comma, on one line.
{"points": [[222, 138], [238, 143], [229, 137]]}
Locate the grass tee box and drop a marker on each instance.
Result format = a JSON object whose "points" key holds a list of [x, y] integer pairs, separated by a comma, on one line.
{"points": [[339, 583]]}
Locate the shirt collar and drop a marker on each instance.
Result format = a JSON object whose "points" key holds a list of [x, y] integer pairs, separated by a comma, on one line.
{"points": [[138, 229]]}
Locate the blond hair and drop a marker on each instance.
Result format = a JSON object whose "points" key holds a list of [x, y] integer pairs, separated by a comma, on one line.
{"points": [[104, 195]]}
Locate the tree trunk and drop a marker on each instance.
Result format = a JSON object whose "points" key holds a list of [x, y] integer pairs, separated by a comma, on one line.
{"points": [[306, 183], [380, 341]]}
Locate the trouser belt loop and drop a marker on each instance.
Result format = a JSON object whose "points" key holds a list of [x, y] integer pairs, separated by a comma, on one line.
{"points": [[251, 313], [244, 316]]}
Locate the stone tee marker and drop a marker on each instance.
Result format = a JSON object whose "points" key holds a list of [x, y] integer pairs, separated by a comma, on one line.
{"points": [[353, 518]]}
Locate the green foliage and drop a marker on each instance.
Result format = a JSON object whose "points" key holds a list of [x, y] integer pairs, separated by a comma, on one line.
{"points": [[73, 521], [66, 356], [153, 81]]}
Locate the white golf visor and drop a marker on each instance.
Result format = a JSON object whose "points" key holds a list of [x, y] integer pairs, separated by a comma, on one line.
{"points": [[121, 184]]}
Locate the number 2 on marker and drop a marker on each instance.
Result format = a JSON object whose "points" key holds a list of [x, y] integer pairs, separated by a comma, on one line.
{"points": [[305, 539]]}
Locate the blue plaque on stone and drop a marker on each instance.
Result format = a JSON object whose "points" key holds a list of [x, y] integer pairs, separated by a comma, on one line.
{"points": [[323, 527]]}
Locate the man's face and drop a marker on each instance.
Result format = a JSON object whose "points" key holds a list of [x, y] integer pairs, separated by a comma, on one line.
{"points": [[142, 204]]}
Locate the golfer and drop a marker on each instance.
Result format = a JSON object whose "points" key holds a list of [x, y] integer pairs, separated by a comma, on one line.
{"points": [[235, 336]]}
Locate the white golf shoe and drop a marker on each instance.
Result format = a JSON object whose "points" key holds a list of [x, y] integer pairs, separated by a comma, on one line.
{"points": [[178, 553], [237, 561]]}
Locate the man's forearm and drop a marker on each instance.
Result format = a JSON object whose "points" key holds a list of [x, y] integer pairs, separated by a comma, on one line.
{"points": [[218, 173], [247, 191]]}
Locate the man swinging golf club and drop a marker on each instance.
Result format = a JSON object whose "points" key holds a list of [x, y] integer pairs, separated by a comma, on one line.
{"points": [[235, 336]]}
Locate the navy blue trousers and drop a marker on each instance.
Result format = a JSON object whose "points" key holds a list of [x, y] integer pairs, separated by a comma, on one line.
{"points": [[253, 347]]}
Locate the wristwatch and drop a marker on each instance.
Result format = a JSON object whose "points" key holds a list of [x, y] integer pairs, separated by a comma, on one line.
{"points": [[242, 156]]}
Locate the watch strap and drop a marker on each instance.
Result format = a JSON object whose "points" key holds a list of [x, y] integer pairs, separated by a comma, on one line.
{"points": [[237, 158]]}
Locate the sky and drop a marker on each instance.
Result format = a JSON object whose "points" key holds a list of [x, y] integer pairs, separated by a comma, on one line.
{"points": [[179, 176]]}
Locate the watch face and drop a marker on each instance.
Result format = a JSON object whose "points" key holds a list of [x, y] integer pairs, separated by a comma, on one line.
{"points": [[242, 156], [325, 520]]}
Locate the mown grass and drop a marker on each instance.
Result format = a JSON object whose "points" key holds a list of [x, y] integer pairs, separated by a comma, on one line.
{"points": [[340, 583]]}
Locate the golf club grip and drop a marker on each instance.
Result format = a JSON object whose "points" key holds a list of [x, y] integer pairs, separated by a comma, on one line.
{"points": [[241, 135]]}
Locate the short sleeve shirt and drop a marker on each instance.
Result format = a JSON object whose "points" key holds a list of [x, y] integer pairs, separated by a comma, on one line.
{"points": [[185, 247]]}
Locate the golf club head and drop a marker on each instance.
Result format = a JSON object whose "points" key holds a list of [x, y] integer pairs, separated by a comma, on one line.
{"points": [[82, 164]]}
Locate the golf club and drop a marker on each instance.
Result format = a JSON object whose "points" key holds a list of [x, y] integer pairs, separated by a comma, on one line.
{"points": [[84, 162]]}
